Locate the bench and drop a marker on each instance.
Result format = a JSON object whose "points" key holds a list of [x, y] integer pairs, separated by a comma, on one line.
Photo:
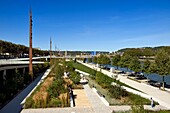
{"points": [[100, 94]]}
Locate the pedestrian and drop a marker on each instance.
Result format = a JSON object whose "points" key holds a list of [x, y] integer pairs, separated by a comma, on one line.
{"points": [[152, 103]]}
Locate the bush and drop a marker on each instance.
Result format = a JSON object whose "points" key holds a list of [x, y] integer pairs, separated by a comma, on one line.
{"points": [[117, 92], [138, 108], [29, 102], [2, 98], [75, 77], [59, 71], [54, 102], [103, 80], [56, 88]]}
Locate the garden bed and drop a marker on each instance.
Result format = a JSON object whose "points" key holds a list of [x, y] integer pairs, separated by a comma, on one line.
{"points": [[131, 99]]}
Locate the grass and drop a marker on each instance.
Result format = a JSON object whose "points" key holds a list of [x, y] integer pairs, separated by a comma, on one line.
{"points": [[82, 68]]}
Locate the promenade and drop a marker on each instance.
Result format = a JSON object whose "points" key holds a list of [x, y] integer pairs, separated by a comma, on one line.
{"points": [[162, 97]]}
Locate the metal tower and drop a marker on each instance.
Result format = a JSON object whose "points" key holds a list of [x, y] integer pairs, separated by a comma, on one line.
{"points": [[30, 46]]}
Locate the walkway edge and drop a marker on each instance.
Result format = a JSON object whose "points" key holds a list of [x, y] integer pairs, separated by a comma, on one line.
{"points": [[101, 98]]}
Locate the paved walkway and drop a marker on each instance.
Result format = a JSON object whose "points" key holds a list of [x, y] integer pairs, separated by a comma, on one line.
{"points": [[162, 97], [97, 105], [81, 99], [14, 105]]}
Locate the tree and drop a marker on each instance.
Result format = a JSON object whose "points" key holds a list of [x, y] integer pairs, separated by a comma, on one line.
{"points": [[103, 59], [95, 60], [135, 65], [125, 61], [89, 60], [162, 61], [146, 67], [115, 60]]}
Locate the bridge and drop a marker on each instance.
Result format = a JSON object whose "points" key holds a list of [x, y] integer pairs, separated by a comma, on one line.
{"points": [[47, 57], [25, 60], [17, 62]]}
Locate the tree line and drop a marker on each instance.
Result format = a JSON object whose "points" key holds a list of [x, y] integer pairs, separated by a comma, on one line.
{"points": [[17, 50], [145, 51]]}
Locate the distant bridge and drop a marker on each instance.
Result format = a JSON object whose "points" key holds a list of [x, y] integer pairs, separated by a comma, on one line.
{"points": [[17, 62], [46, 57], [23, 61]]}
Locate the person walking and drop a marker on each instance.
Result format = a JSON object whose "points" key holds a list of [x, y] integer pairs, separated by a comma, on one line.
{"points": [[152, 103]]}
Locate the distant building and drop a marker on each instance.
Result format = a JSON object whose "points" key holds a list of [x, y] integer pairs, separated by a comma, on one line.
{"points": [[38, 48], [93, 53]]}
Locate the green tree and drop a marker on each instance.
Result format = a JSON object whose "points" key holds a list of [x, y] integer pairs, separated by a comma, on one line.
{"points": [[146, 67], [115, 60], [103, 59], [162, 61], [125, 61], [95, 60], [135, 65], [89, 60]]}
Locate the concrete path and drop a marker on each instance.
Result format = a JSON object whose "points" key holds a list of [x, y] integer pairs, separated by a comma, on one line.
{"points": [[81, 99], [59, 110], [162, 97], [14, 105], [97, 105]]}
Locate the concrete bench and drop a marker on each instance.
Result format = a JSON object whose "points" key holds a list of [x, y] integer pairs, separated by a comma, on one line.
{"points": [[100, 94]]}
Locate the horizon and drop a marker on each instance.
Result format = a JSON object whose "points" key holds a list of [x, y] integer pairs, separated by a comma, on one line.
{"points": [[88, 50], [87, 25]]}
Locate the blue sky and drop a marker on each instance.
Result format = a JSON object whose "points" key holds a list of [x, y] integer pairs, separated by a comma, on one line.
{"points": [[106, 25]]}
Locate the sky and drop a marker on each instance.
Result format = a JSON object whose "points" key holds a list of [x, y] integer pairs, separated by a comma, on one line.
{"points": [[92, 25]]}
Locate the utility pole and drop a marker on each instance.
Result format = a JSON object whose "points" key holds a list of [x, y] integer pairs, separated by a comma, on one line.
{"points": [[30, 46]]}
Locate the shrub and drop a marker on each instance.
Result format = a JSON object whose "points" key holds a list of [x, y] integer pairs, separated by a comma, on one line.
{"points": [[117, 92], [75, 77], [59, 71], [2, 97], [54, 102], [56, 88], [138, 108], [103, 80], [35, 68], [29, 102]]}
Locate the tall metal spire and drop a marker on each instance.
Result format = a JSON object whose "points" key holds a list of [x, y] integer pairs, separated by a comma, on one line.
{"points": [[30, 45]]}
